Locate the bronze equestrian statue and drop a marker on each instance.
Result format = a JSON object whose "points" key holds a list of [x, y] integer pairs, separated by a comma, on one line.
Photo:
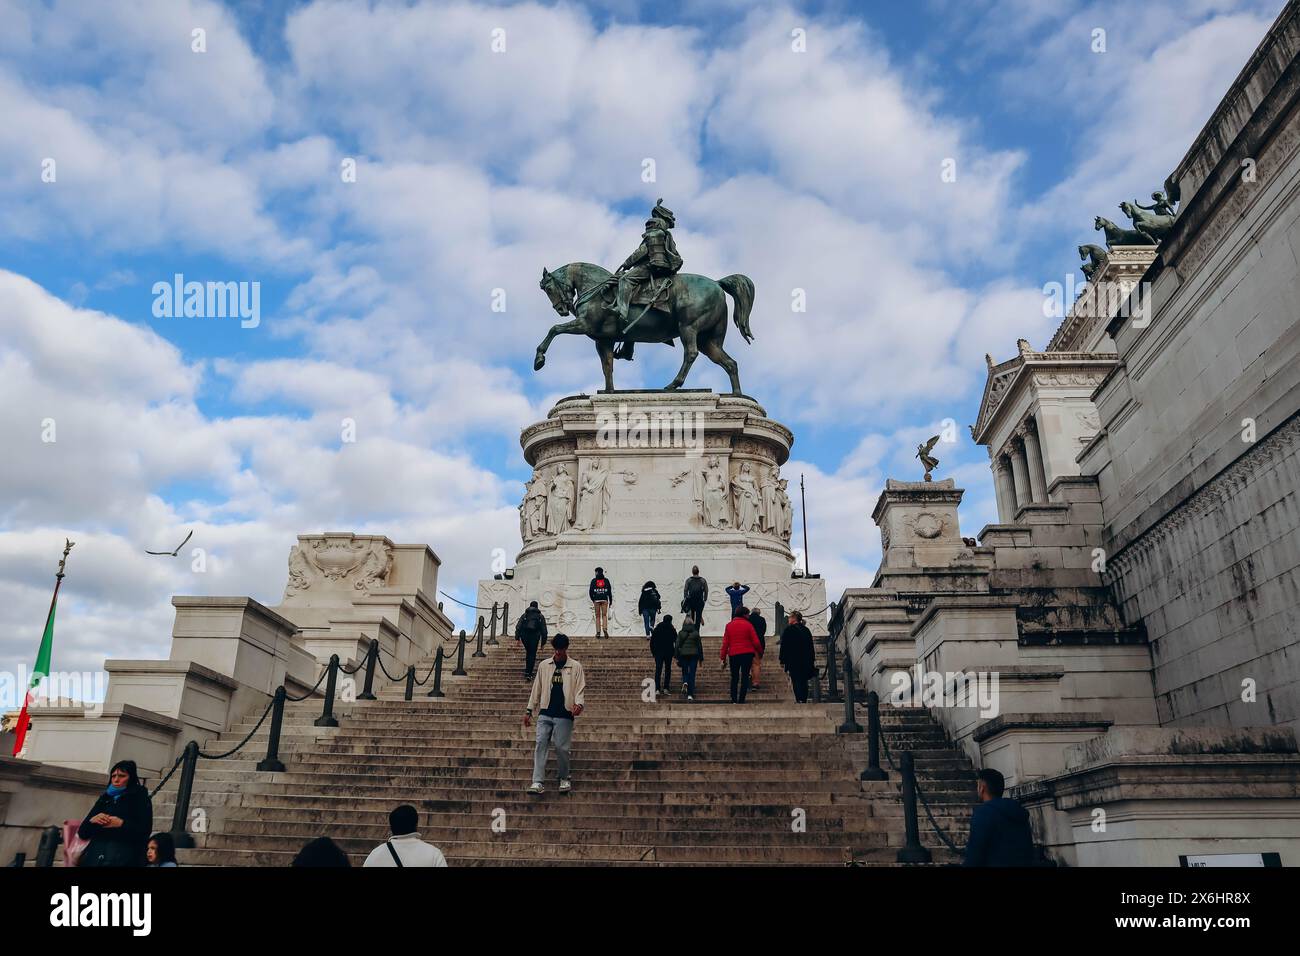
{"points": [[677, 305]]}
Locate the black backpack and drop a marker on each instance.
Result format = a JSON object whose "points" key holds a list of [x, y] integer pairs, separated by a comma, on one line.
{"points": [[695, 588]]}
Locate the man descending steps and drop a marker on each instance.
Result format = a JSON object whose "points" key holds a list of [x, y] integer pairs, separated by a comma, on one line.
{"points": [[561, 682]]}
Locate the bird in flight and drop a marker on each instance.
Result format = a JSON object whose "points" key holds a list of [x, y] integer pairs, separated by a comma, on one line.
{"points": [[178, 547]]}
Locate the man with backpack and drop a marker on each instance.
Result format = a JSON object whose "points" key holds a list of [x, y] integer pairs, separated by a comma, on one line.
{"points": [[695, 593], [531, 633], [601, 593]]}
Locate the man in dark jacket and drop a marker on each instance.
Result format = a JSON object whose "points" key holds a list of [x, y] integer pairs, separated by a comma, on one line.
{"points": [[999, 828], [531, 632], [601, 592], [695, 592], [760, 628], [797, 655], [663, 644], [119, 824], [649, 606]]}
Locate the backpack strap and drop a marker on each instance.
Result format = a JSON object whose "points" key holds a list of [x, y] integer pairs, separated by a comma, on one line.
{"points": [[396, 859]]}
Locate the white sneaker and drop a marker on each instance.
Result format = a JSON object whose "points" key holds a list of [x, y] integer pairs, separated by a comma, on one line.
{"points": [[565, 786], [537, 788]]}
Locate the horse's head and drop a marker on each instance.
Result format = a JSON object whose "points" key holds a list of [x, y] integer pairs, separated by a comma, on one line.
{"points": [[557, 290], [1083, 252], [1101, 222], [1128, 209]]}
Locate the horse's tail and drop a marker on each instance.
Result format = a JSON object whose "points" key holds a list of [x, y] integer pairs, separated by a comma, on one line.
{"points": [[741, 289]]}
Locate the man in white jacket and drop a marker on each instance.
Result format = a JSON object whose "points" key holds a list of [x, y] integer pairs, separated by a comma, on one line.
{"points": [[558, 691], [405, 848]]}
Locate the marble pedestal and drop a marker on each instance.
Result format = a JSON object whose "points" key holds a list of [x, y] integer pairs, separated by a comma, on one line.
{"points": [[645, 484]]}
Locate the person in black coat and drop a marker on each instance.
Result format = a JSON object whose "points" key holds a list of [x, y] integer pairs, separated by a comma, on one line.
{"points": [[663, 644], [797, 655], [531, 632], [760, 628], [649, 605], [1000, 834], [119, 824]]}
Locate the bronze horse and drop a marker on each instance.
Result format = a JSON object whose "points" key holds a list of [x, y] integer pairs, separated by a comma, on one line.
{"points": [[693, 308]]}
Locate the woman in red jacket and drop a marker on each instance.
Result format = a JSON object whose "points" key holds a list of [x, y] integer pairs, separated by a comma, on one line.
{"points": [[740, 643]]}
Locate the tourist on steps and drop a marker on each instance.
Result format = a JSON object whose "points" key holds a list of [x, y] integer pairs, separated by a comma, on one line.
{"points": [[760, 628], [531, 633], [695, 593], [649, 606], [601, 593], [663, 644], [737, 592], [161, 851], [560, 684], [797, 655], [690, 651], [404, 847], [321, 852], [740, 645], [118, 825], [999, 828]]}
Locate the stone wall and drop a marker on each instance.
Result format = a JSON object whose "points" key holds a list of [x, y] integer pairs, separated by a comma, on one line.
{"points": [[1196, 462]]}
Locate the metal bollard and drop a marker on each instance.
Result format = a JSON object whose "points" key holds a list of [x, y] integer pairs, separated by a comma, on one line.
{"points": [[492, 638], [410, 681], [874, 770], [181, 816], [778, 626], [51, 837], [832, 672], [460, 656], [505, 619], [272, 761], [372, 658], [478, 652], [437, 675], [816, 686], [19, 860], [912, 852], [850, 725], [327, 718]]}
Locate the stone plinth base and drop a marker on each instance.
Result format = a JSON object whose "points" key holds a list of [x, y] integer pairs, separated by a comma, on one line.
{"points": [[645, 485]]}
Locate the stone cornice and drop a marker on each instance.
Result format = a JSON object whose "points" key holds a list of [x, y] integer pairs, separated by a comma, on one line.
{"points": [[1040, 368], [1124, 265]]}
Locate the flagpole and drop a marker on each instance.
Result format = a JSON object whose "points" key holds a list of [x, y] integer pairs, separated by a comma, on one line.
{"points": [[23, 720], [803, 514]]}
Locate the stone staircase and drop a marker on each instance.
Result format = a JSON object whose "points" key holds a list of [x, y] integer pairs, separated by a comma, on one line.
{"points": [[654, 782]]}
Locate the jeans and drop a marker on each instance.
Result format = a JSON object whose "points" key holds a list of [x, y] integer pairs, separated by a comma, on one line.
{"points": [[602, 616], [696, 606], [740, 665], [530, 652], [664, 664], [649, 618], [688, 665], [557, 731]]}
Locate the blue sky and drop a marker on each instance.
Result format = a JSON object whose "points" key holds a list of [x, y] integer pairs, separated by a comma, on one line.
{"points": [[816, 169]]}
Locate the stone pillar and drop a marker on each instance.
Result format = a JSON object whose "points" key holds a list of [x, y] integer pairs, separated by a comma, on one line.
{"points": [[1004, 490], [1034, 455], [1019, 476]]}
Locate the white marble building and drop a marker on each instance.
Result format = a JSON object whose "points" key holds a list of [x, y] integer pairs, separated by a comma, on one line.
{"points": [[1139, 599]]}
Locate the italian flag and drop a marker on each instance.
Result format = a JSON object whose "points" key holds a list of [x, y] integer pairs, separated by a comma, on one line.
{"points": [[42, 668]]}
